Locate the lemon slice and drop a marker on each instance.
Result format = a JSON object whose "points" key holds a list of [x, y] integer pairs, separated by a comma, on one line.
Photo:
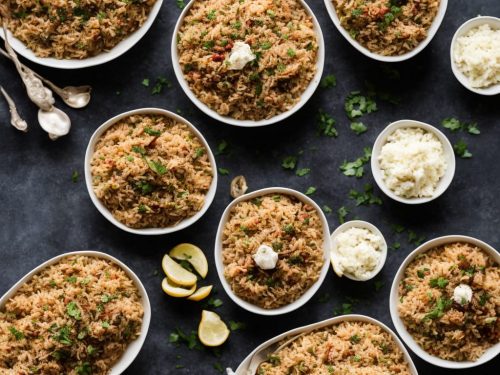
{"points": [[212, 331], [175, 290], [193, 254], [176, 273], [201, 293]]}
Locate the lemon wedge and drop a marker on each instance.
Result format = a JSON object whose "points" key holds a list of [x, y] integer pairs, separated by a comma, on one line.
{"points": [[193, 254], [176, 273], [201, 293], [212, 331], [175, 290]]}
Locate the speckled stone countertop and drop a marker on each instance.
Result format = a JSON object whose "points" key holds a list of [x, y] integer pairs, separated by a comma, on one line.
{"points": [[45, 214]]}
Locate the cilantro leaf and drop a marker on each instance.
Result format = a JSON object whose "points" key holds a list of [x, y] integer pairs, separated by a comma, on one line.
{"points": [[290, 162], [310, 190], [461, 149], [326, 124], [302, 172], [342, 213], [329, 81]]}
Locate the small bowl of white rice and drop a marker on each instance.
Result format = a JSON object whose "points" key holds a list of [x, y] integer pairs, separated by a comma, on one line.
{"points": [[475, 55], [412, 162], [358, 250]]}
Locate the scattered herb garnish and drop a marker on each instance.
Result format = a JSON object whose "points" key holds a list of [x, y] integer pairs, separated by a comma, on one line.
{"points": [[161, 82], [73, 311], [395, 246], [222, 147], [357, 105], [17, 334], [180, 4], [326, 124], [342, 213], [454, 125], [358, 127], [326, 209], [211, 14], [290, 162], [214, 302], [234, 326], [355, 168], [223, 171], [145, 82], [152, 132], [366, 197], [177, 337], [461, 149], [310, 190], [439, 282], [302, 172], [329, 81], [155, 166], [440, 307], [218, 367], [354, 339], [378, 285]]}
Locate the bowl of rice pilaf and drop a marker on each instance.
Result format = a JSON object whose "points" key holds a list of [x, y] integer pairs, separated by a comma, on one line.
{"points": [[445, 301], [76, 34], [387, 30], [150, 171], [349, 344], [272, 250], [82, 312], [248, 63]]}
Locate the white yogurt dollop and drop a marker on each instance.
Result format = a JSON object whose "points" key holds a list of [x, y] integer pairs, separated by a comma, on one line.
{"points": [[265, 257], [462, 294], [240, 55]]}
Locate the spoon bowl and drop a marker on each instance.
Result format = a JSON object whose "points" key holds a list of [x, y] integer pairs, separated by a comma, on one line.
{"points": [[55, 122], [76, 96]]}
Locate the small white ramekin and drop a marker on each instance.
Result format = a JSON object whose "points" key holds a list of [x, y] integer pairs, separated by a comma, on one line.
{"points": [[394, 301], [357, 224], [148, 231], [220, 266], [449, 154], [494, 23], [375, 56]]}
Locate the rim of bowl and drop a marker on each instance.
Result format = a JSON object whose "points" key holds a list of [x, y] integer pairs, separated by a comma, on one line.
{"points": [[488, 355], [365, 225], [449, 154], [304, 97], [135, 346], [431, 32], [103, 57], [209, 197], [328, 322], [463, 29], [309, 293]]}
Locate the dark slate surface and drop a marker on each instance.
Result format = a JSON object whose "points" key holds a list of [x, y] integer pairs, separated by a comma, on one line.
{"points": [[45, 214]]}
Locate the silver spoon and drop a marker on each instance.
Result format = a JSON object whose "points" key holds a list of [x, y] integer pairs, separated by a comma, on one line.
{"points": [[73, 96], [263, 354], [55, 122], [15, 119]]}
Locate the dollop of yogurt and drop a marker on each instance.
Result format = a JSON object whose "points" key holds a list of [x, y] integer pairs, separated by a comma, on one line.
{"points": [[240, 55], [265, 257], [462, 294]]}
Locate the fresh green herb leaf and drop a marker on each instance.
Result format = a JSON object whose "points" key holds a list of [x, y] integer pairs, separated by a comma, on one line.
{"points": [[223, 171], [16, 333], [302, 172], [145, 82], [73, 311], [461, 149], [395, 246], [342, 213], [291, 52], [440, 307], [214, 302], [366, 197], [326, 209], [329, 81], [357, 105], [235, 326], [152, 132], [354, 339], [222, 147], [310, 190], [290, 162], [439, 282], [139, 150], [105, 324], [83, 369], [326, 124], [161, 83], [180, 4], [355, 168], [358, 127], [155, 166], [211, 15]]}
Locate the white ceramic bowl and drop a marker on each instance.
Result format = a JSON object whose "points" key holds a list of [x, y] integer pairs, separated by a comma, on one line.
{"points": [[357, 224], [365, 51], [443, 183], [99, 59], [394, 301], [309, 91], [135, 346], [220, 266], [494, 23], [325, 323], [107, 214]]}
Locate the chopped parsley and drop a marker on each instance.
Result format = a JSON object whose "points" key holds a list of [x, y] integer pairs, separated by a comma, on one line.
{"points": [[105, 324], [302, 172], [144, 187], [139, 150], [74, 176], [355, 168], [73, 311], [357, 105], [145, 82], [214, 302], [329, 81], [342, 214], [289, 229], [222, 147], [461, 149], [17, 334], [190, 340], [454, 125], [365, 197], [483, 298], [152, 132], [326, 209], [395, 246], [211, 15], [265, 45], [439, 282], [358, 127], [180, 4], [62, 335], [355, 339], [83, 369], [440, 307], [223, 171], [199, 152], [291, 52], [326, 124], [310, 190], [161, 83], [290, 162], [235, 326], [156, 167]]}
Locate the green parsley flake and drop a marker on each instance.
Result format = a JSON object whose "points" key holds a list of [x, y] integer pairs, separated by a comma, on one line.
{"points": [[290, 162], [358, 127], [357, 105], [341, 214], [310, 190], [355, 168], [326, 124], [461, 149], [329, 81], [302, 172], [223, 171]]}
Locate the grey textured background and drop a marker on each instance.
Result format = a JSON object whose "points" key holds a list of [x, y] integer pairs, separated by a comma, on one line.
{"points": [[45, 214]]}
